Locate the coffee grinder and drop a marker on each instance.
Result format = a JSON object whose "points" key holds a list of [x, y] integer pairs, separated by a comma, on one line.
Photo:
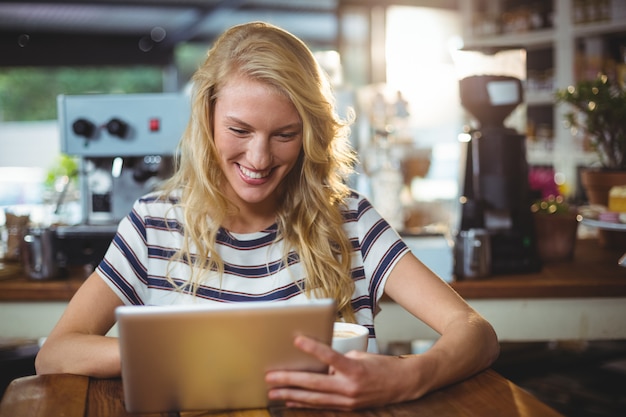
{"points": [[495, 195]]}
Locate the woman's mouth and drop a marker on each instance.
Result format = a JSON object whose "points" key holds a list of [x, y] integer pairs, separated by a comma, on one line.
{"points": [[255, 175]]}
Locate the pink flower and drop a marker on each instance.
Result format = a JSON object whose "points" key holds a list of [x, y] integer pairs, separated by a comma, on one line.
{"points": [[541, 179]]}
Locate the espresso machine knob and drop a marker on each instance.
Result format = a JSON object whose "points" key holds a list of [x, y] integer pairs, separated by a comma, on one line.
{"points": [[117, 127], [83, 127]]}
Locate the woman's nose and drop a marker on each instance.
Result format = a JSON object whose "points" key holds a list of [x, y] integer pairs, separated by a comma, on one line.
{"points": [[259, 152]]}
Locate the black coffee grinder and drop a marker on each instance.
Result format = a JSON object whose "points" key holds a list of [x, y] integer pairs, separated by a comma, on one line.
{"points": [[495, 192]]}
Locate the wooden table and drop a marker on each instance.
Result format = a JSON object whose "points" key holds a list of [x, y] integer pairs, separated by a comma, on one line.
{"points": [[486, 394]]}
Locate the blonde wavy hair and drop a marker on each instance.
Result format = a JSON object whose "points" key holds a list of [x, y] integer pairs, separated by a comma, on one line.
{"points": [[309, 217]]}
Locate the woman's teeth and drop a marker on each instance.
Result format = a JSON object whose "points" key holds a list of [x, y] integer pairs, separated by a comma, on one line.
{"points": [[253, 174]]}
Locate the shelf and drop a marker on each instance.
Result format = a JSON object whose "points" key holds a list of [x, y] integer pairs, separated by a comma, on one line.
{"points": [[599, 28], [539, 97], [528, 40], [552, 60], [543, 38], [538, 154]]}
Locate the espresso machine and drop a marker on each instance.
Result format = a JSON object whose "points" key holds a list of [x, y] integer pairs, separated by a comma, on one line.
{"points": [[495, 195], [125, 144]]}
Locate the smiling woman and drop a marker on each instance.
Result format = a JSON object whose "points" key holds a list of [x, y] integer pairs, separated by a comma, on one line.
{"points": [[259, 210]]}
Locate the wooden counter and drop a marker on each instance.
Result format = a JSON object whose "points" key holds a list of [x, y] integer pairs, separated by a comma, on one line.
{"points": [[592, 273], [581, 299], [16, 286]]}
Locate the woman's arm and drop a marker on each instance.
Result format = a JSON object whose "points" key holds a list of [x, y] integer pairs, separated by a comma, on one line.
{"points": [[467, 345], [77, 344]]}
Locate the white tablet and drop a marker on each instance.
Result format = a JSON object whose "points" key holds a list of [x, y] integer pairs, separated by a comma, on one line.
{"points": [[208, 357]]}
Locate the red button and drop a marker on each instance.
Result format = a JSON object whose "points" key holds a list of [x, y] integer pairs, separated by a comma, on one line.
{"points": [[155, 125]]}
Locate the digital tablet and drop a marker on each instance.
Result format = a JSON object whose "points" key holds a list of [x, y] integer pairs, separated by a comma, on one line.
{"points": [[214, 357]]}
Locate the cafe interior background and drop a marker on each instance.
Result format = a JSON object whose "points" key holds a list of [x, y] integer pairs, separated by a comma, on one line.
{"points": [[396, 64]]}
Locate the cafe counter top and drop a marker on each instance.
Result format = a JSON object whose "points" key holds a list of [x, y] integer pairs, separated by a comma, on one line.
{"points": [[16, 286], [593, 272]]}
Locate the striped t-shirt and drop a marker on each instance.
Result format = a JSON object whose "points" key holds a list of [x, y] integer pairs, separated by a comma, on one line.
{"points": [[136, 263]]}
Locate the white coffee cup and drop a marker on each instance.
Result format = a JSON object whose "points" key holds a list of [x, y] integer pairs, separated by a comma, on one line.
{"points": [[349, 336]]}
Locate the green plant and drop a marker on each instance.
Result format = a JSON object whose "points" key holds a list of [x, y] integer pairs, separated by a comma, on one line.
{"points": [[64, 166], [600, 111]]}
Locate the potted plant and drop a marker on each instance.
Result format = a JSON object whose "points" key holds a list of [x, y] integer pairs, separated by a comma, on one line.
{"points": [[555, 221], [556, 227], [599, 111]]}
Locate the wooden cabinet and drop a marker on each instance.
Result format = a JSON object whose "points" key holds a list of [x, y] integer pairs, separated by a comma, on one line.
{"points": [[564, 40]]}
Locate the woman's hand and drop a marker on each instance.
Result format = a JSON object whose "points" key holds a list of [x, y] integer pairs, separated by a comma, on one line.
{"points": [[355, 380]]}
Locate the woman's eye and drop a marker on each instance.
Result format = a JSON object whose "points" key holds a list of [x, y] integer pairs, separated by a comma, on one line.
{"points": [[238, 131], [286, 135]]}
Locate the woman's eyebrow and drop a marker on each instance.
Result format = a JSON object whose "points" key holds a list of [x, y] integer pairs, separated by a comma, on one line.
{"points": [[295, 125], [238, 121]]}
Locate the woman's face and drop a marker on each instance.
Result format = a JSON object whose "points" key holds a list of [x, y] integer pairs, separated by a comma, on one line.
{"points": [[258, 136]]}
